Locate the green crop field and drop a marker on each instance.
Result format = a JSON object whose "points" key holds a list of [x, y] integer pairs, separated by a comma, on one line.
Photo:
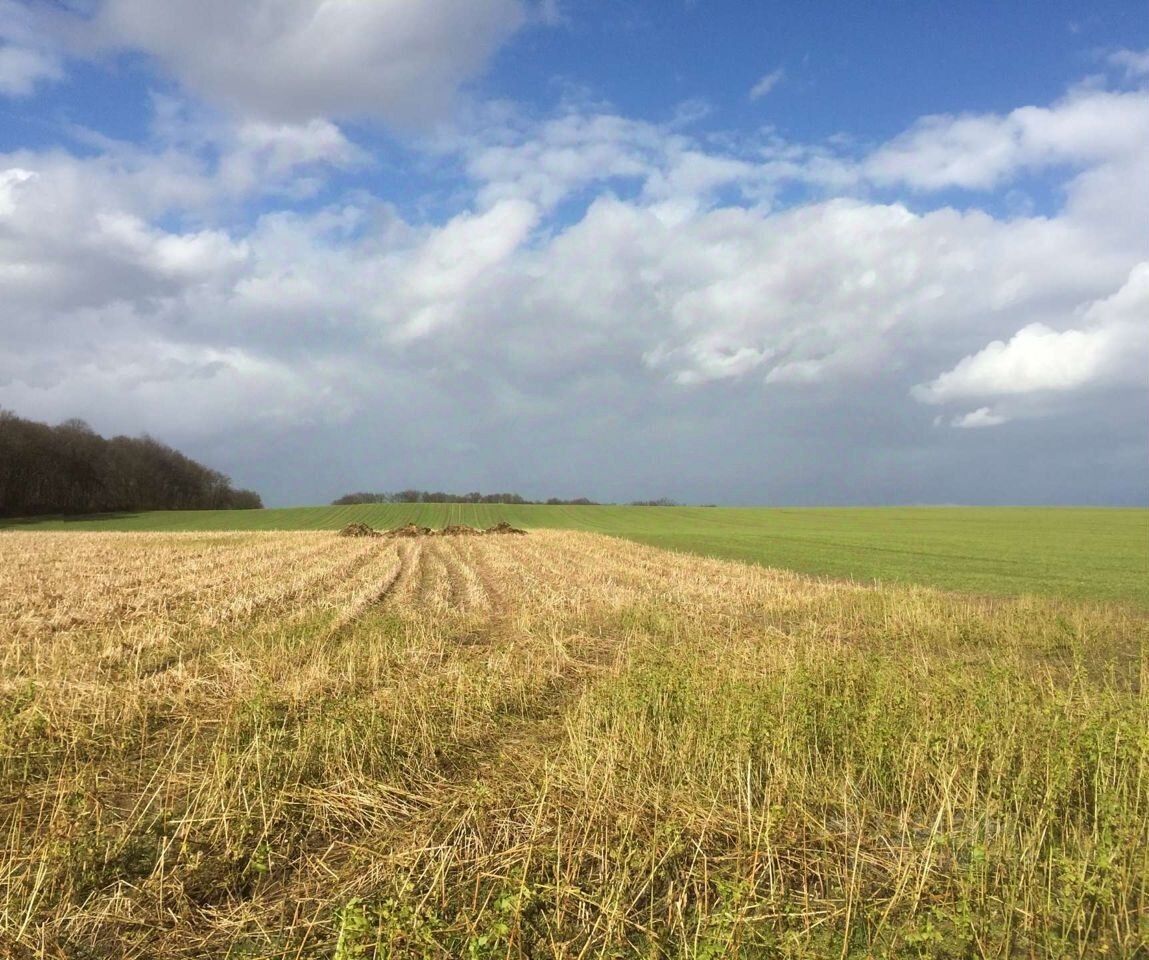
{"points": [[1070, 552]]}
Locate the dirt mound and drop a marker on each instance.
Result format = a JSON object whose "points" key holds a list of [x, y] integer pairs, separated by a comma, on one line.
{"points": [[503, 527], [358, 530], [413, 530], [460, 530], [409, 530]]}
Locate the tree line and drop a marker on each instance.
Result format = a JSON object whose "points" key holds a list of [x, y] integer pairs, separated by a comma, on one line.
{"points": [[70, 469], [438, 496]]}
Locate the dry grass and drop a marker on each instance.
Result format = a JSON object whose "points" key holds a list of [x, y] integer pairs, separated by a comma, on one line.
{"points": [[296, 745]]}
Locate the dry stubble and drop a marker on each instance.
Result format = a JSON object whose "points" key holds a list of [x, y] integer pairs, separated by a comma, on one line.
{"points": [[562, 744]]}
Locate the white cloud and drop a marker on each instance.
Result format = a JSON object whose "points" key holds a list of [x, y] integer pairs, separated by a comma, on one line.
{"points": [[767, 84], [292, 60], [1036, 358], [452, 262], [194, 167], [204, 255], [975, 419], [1098, 135], [547, 162], [825, 292], [842, 288], [32, 47], [980, 151], [10, 181], [21, 69], [134, 281], [1112, 346], [1135, 63], [257, 154]]}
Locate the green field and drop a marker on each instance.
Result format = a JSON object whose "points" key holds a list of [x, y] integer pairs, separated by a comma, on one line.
{"points": [[1069, 552]]}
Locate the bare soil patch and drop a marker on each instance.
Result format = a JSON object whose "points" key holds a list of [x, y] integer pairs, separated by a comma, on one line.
{"points": [[503, 527], [358, 530], [409, 530], [460, 530]]}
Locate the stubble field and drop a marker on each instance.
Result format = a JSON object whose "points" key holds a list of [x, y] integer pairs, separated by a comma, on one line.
{"points": [[564, 744], [1079, 552]]}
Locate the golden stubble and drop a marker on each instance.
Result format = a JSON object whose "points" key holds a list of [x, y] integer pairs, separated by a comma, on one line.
{"points": [[216, 741]]}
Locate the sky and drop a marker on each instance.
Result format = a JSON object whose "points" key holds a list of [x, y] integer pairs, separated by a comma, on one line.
{"points": [[713, 250]]}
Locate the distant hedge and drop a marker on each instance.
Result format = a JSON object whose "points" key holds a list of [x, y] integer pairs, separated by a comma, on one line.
{"points": [[438, 496], [70, 469]]}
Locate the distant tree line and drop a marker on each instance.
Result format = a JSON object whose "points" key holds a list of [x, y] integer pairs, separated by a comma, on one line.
{"points": [[438, 496], [70, 469]]}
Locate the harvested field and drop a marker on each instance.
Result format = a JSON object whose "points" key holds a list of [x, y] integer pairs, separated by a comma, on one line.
{"points": [[1084, 553], [563, 744]]}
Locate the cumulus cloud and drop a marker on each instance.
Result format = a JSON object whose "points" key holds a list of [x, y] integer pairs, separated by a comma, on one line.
{"points": [[980, 151], [1112, 346], [818, 293], [580, 149], [78, 233], [1036, 358], [292, 60], [618, 284], [452, 262], [1096, 136], [254, 154], [546, 162]]}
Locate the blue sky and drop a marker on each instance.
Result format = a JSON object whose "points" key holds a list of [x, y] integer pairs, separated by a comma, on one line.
{"points": [[718, 251], [864, 69]]}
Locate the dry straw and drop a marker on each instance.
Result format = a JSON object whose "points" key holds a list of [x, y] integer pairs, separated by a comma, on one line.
{"points": [[296, 745]]}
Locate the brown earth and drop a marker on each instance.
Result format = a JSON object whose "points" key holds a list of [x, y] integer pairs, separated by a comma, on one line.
{"points": [[409, 530], [460, 530], [413, 530], [503, 527], [357, 530]]}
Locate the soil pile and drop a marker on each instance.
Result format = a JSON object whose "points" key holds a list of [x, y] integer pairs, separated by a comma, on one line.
{"points": [[414, 530], [503, 527], [358, 530], [409, 530]]}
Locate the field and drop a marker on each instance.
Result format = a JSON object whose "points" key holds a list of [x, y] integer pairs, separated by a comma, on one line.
{"points": [[558, 745], [1063, 552]]}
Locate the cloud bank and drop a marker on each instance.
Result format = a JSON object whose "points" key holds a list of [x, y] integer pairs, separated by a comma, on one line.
{"points": [[607, 304]]}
